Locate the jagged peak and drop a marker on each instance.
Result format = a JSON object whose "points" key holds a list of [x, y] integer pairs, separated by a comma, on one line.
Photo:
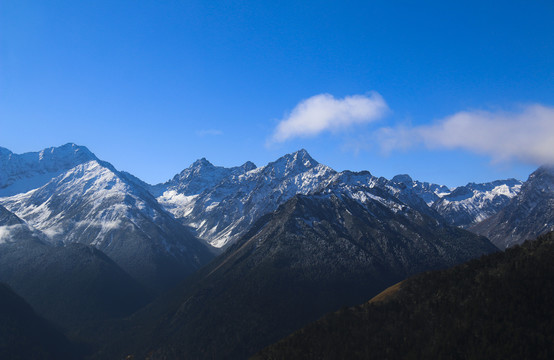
{"points": [[203, 162], [247, 166], [69, 150], [544, 169], [490, 185], [298, 160], [302, 155], [354, 177], [402, 179]]}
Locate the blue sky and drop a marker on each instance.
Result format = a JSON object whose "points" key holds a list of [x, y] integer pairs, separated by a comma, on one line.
{"points": [[449, 93]]}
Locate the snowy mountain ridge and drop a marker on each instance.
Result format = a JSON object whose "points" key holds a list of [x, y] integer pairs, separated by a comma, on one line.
{"points": [[472, 203], [93, 204], [222, 212], [24, 172], [218, 204]]}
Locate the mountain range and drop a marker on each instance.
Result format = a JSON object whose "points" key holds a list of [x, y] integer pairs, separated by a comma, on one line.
{"points": [[234, 258], [92, 203], [311, 256]]}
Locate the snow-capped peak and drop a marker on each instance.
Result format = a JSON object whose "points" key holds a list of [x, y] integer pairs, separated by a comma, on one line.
{"points": [[23, 172], [247, 166], [290, 164], [201, 163]]}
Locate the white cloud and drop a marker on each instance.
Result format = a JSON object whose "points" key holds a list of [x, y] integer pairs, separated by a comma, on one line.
{"points": [[526, 136], [323, 112]]}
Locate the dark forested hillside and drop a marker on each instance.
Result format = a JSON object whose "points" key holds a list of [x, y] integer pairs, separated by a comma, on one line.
{"points": [[496, 307], [24, 335]]}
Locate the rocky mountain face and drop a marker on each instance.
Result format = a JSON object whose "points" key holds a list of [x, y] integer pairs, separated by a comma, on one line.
{"points": [[94, 204], [315, 254], [527, 215], [506, 295]]}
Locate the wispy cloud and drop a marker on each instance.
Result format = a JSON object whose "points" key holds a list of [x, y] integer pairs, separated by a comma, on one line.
{"points": [[208, 132], [527, 135], [324, 112]]}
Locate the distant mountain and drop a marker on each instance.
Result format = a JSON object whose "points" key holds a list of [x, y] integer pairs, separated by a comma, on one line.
{"points": [[428, 192], [416, 194], [201, 176], [496, 307], [25, 336], [21, 173], [527, 215], [221, 204], [94, 204], [315, 254], [462, 206], [68, 285], [472, 203]]}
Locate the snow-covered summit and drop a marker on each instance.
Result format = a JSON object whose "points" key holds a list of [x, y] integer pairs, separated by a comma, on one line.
{"points": [[472, 203], [290, 164], [23, 172], [198, 177], [94, 204], [221, 203]]}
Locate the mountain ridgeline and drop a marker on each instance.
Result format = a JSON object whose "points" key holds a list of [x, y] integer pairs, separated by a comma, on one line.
{"points": [[131, 268]]}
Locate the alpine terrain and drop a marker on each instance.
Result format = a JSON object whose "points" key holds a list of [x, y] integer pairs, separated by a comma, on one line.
{"points": [[313, 255], [94, 204], [130, 268], [529, 214]]}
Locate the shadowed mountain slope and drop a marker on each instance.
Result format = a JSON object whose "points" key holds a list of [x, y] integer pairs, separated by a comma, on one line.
{"points": [[26, 336], [68, 285], [496, 307], [313, 255]]}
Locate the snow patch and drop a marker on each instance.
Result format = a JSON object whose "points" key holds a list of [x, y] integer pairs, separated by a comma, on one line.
{"points": [[6, 232]]}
